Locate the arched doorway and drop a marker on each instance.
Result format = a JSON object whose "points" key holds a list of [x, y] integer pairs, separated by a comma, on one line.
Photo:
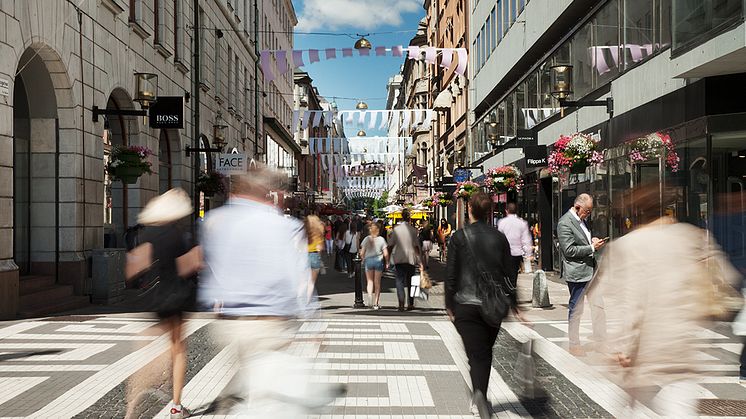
{"points": [[170, 164], [35, 168], [119, 130]]}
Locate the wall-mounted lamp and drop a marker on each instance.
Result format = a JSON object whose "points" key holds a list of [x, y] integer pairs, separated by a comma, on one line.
{"points": [[562, 88], [146, 85], [492, 127], [218, 130]]}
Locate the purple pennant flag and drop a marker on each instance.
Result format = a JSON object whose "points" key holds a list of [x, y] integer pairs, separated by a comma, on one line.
{"points": [[398, 51], [413, 52], [380, 51], [364, 52], [463, 57], [347, 52], [266, 66], [313, 55], [331, 53], [447, 58], [298, 58], [430, 55], [282, 61]]}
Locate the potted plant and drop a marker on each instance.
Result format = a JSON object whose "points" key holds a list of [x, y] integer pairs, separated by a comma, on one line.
{"points": [[128, 163], [442, 199], [466, 189], [652, 146], [210, 183], [574, 153], [428, 203], [504, 179]]}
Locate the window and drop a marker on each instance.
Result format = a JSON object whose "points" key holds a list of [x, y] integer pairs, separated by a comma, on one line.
{"points": [[178, 30], [136, 11], [606, 36], [217, 67], [160, 21], [246, 107], [165, 179], [498, 11], [513, 11], [230, 86], [696, 21], [493, 30], [236, 85], [506, 16], [246, 17], [203, 65]]}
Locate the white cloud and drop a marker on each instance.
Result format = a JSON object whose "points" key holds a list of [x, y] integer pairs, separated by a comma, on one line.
{"points": [[331, 15]]}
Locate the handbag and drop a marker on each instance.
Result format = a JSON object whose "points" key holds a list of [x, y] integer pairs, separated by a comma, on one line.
{"points": [[495, 300]]}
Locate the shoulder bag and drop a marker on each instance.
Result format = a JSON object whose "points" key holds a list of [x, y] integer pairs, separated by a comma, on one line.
{"points": [[496, 301]]}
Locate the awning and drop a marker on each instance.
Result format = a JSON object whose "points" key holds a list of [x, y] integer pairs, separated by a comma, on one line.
{"points": [[443, 100]]}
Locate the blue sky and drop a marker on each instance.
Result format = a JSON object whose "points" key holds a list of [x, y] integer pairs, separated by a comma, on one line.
{"points": [[355, 77]]}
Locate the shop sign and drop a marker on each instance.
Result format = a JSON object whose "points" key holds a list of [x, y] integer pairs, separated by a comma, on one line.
{"points": [[232, 164], [167, 112], [536, 156], [461, 175], [526, 138], [4, 87]]}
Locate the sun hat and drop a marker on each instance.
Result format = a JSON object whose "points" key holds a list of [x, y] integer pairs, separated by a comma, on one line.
{"points": [[172, 206]]}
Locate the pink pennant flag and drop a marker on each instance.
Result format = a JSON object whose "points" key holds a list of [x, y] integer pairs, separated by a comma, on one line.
{"points": [[266, 66], [347, 52], [380, 51], [430, 55], [313, 55], [413, 52], [331, 53], [446, 58], [364, 52], [397, 51], [462, 58], [298, 58], [282, 61]]}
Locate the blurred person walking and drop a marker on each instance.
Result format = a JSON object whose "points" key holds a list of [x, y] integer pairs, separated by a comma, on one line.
{"points": [[352, 244], [258, 287], [426, 238], [659, 280], [479, 259], [168, 262], [518, 234], [404, 248], [328, 238], [315, 232], [578, 253], [444, 233], [340, 261], [375, 255]]}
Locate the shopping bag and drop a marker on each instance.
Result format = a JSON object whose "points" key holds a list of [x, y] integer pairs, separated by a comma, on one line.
{"points": [[414, 286], [527, 269]]}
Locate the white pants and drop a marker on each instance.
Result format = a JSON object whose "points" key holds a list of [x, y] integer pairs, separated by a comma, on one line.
{"points": [[675, 400]]}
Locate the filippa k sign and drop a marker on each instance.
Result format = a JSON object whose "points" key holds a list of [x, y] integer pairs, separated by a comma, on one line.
{"points": [[231, 164]]}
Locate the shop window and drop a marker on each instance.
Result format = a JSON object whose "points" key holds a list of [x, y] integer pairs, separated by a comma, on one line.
{"points": [[691, 183], [520, 99], [510, 106], [697, 21]]}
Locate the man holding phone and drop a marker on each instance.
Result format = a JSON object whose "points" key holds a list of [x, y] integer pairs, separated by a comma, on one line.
{"points": [[578, 251]]}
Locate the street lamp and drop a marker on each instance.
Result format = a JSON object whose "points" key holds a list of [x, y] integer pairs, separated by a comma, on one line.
{"points": [[146, 85], [562, 88], [361, 105], [218, 130], [363, 43], [361, 133], [493, 131]]}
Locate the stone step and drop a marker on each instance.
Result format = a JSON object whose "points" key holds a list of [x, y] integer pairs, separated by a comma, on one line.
{"points": [[69, 303], [33, 283], [45, 296]]}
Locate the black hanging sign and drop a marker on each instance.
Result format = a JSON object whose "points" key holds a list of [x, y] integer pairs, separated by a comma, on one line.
{"points": [[167, 112], [526, 138], [536, 156]]}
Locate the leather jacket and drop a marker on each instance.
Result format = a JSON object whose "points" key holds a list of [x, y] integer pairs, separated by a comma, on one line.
{"points": [[492, 249]]}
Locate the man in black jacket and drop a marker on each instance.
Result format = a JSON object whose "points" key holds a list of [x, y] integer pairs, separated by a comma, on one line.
{"points": [[488, 249]]}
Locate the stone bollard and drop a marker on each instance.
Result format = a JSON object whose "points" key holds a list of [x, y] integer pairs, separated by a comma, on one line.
{"points": [[541, 290]]}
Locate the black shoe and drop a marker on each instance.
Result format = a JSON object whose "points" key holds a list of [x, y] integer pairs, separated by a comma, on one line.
{"points": [[483, 408], [400, 309], [410, 308]]}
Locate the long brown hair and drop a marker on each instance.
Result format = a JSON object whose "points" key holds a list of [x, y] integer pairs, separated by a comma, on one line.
{"points": [[314, 229]]}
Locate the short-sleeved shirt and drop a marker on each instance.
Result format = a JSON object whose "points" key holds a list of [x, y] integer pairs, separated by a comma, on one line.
{"points": [[373, 246]]}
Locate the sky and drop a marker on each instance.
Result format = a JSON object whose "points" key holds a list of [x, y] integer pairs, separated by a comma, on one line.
{"points": [[355, 77]]}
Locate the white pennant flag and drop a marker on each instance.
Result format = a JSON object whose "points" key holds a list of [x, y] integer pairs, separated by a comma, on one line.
{"points": [[306, 119], [428, 119], [317, 118], [406, 119], [361, 119], [296, 117], [373, 119]]}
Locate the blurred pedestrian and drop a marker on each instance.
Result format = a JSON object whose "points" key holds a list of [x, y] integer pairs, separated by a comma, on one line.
{"points": [[375, 255], [404, 248], [352, 244], [478, 253], [659, 280], [426, 238], [516, 230], [257, 287], [340, 261], [315, 232], [328, 238], [444, 233], [170, 262], [578, 252]]}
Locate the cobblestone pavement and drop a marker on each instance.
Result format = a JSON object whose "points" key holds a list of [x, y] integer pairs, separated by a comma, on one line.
{"points": [[406, 365]]}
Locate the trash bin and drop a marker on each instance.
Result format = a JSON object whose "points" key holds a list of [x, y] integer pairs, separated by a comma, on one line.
{"points": [[108, 275]]}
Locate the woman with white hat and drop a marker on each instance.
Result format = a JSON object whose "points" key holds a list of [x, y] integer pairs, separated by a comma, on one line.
{"points": [[169, 261]]}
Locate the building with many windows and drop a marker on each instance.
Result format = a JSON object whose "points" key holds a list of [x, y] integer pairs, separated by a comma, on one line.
{"points": [[669, 67], [64, 59]]}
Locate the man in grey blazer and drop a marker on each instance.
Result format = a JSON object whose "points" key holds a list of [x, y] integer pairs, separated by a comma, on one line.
{"points": [[578, 250]]}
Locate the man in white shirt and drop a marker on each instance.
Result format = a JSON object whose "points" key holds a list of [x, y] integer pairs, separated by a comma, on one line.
{"points": [[516, 230], [578, 249]]}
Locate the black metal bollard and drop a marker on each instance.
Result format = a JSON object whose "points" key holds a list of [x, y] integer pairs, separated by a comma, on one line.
{"points": [[359, 303]]}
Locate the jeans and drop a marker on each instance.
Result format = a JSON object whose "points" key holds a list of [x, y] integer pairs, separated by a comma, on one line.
{"points": [[517, 262], [479, 338], [404, 273], [576, 307], [341, 260]]}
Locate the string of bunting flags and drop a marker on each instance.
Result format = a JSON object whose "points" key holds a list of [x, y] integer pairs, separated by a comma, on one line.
{"points": [[288, 60], [390, 118]]}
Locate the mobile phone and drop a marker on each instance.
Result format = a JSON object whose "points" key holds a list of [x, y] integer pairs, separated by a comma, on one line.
{"points": [[605, 239]]}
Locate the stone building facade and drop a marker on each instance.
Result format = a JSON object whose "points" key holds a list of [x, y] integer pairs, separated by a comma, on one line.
{"points": [[62, 58]]}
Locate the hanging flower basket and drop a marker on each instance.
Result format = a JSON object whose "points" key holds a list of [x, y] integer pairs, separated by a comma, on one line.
{"points": [[428, 203], [466, 189], [127, 164], [503, 179], [651, 147], [574, 153], [211, 183], [442, 199]]}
